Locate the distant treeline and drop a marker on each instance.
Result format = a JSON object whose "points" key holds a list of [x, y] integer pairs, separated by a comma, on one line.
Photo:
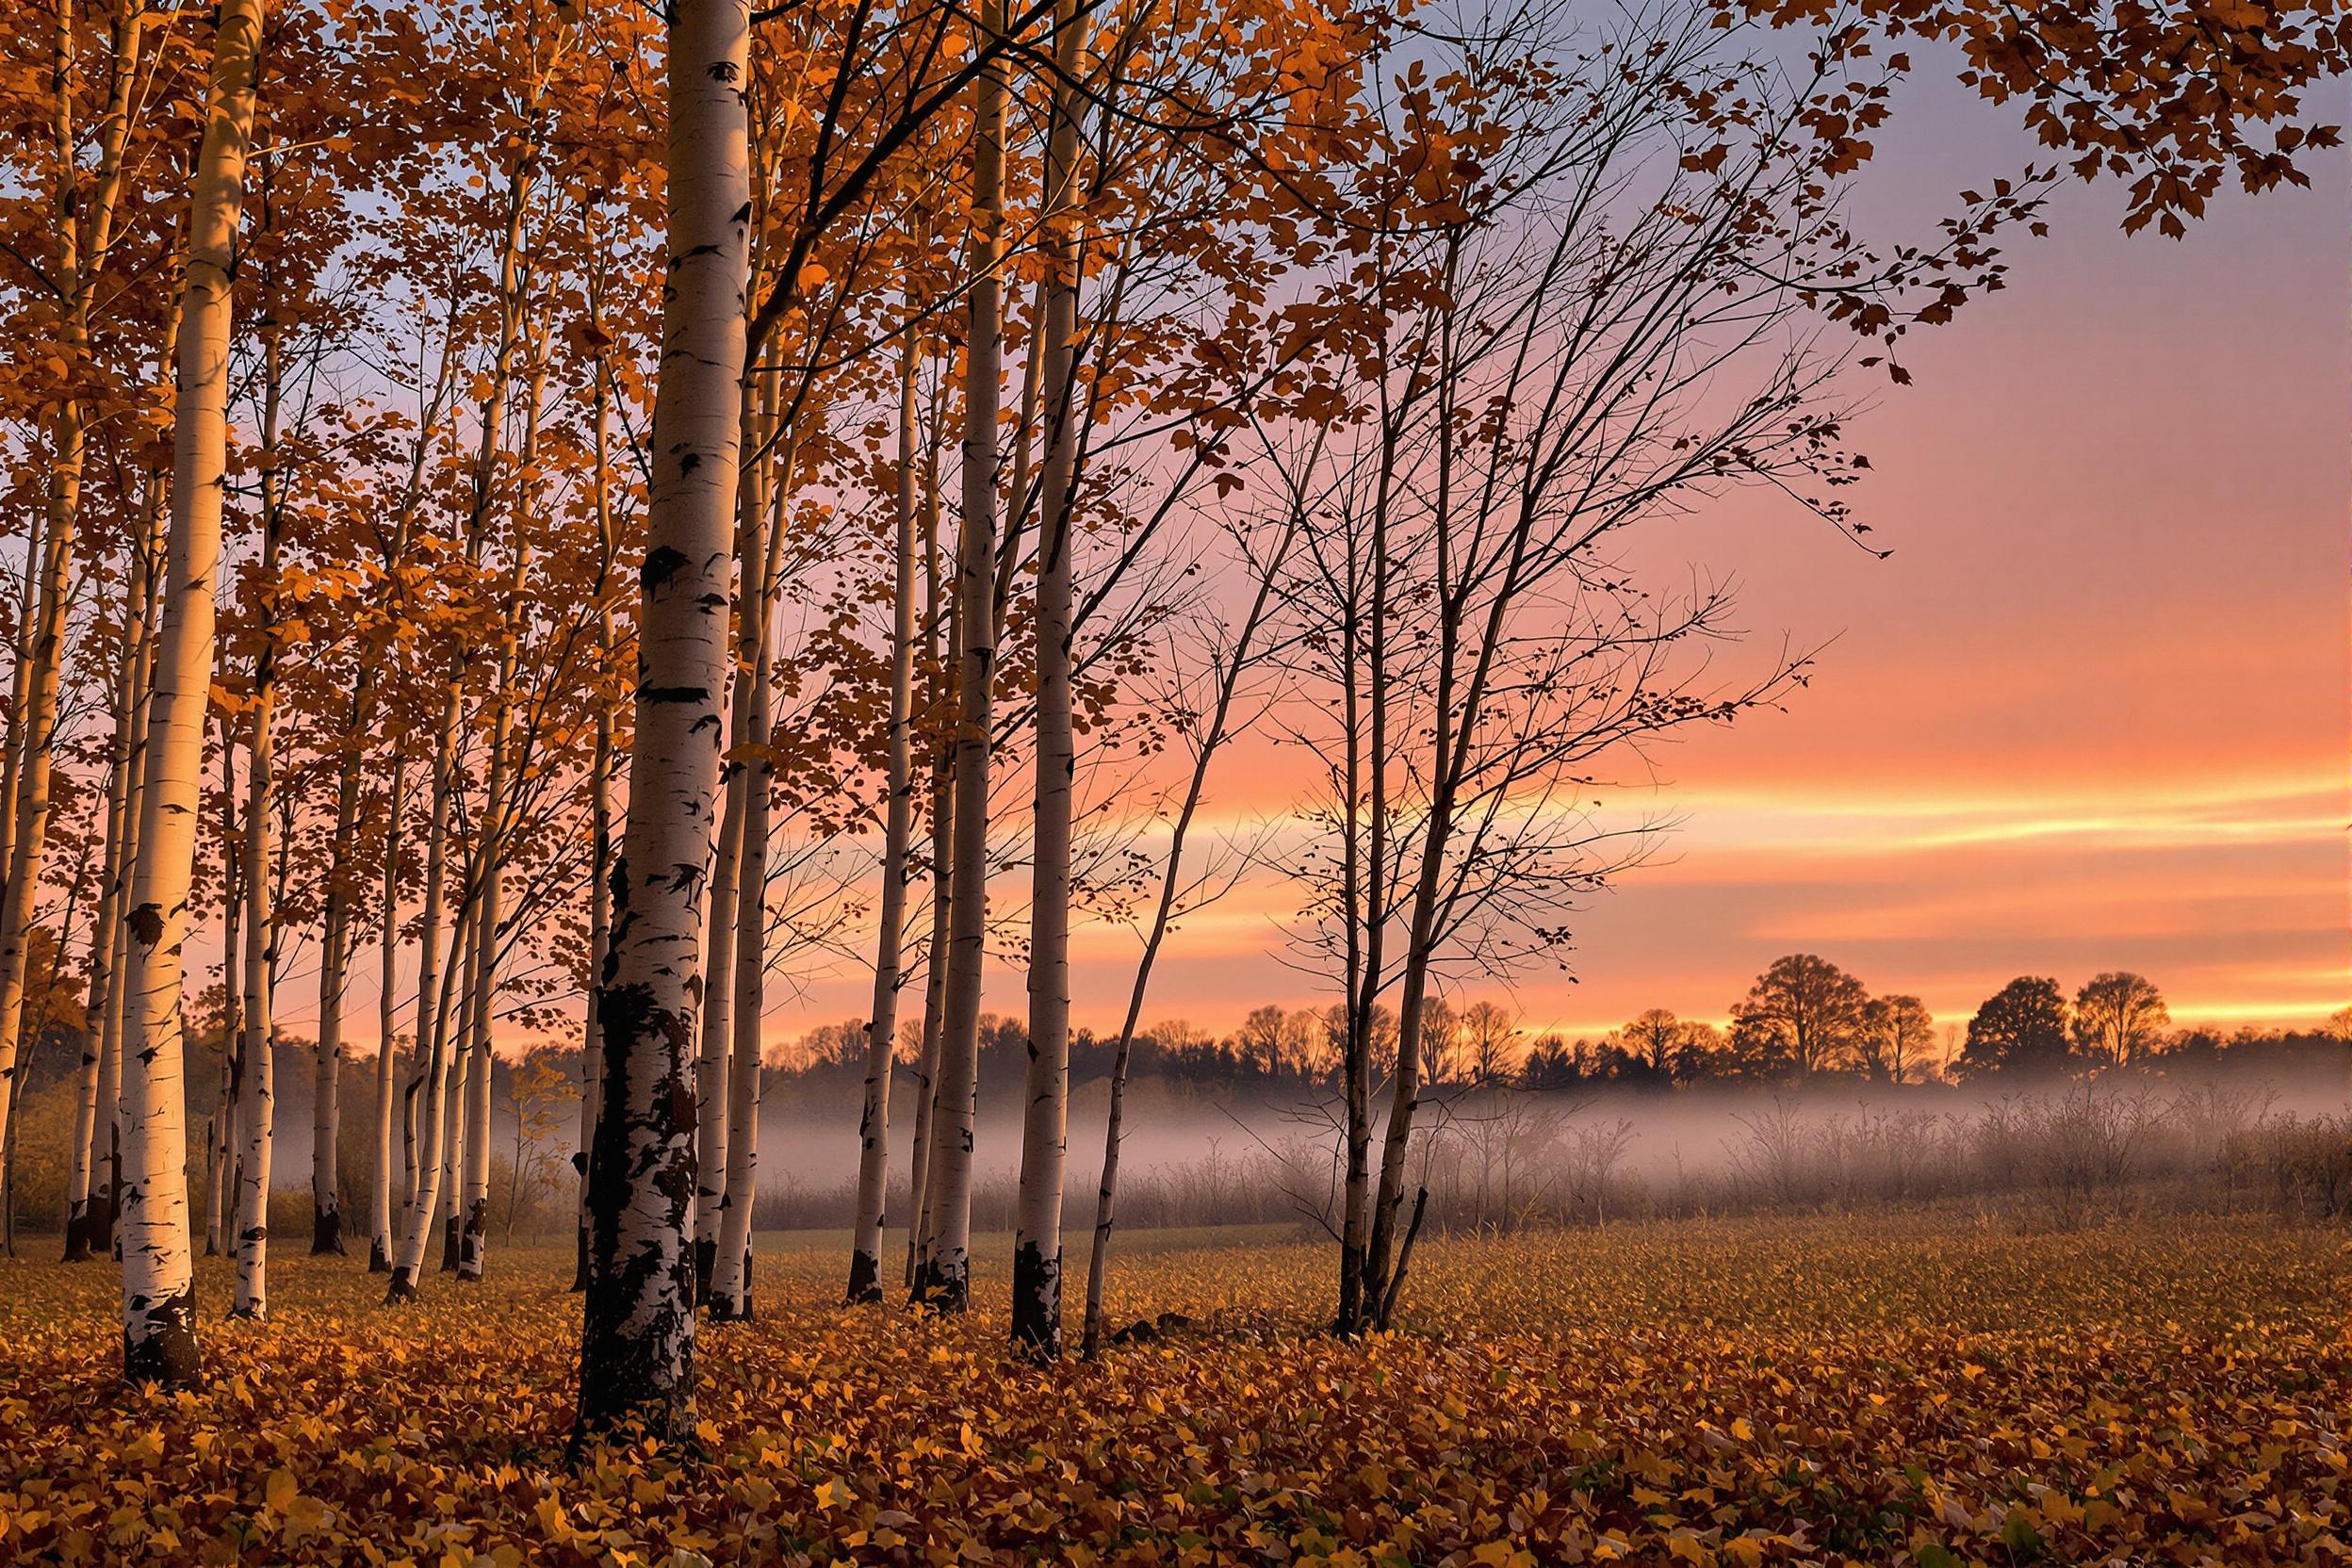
{"points": [[1804, 1023], [1805, 1020]]}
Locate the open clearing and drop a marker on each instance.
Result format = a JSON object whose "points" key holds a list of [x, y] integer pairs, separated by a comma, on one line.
{"points": [[1905, 1389]]}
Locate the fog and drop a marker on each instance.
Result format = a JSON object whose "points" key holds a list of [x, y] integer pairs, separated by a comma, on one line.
{"points": [[2209, 1134]]}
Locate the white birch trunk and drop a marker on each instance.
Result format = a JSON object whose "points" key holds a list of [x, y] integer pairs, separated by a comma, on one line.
{"points": [[473, 1218], [256, 1108], [335, 961], [731, 1279], [935, 969], [429, 1053], [380, 1239], [730, 1290], [945, 1278], [473, 1240], [83, 233], [457, 1108], [1036, 1328], [158, 1306], [637, 1340], [873, 1123], [93, 1138], [718, 1011]]}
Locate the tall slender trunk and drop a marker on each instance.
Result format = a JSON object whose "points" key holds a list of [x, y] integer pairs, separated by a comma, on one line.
{"points": [[472, 1234], [158, 1307], [714, 1107], [718, 1001], [874, 1121], [473, 1240], [1460, 696], [257, 1111], [36, 714], [335, 960], [439, 1129], [380, 1240], [93, 1121], [256, 1097], [1366, 635], [20, 707], [1036, 1328], [221, 1193], [457, 1104], [600, 821], [1163, 917], [429, 1053], [637, 1339], [83, 236], [730, 1279], [116, 937], [409, 1090], [946, 1281], [942, 689], [112, 936], [730, 1291]]}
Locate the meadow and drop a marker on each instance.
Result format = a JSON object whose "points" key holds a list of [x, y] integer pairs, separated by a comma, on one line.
{"points": [[1897, 1389]]}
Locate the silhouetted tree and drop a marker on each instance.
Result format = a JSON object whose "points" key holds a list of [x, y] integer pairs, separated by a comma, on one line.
{"points": [[1810, 1006], [2021, 1028], [1894, 1037], [2119, 1019], [1655, 1040], [1487, 1034]]}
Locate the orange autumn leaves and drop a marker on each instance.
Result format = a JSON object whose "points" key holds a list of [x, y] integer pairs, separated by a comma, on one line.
{"points": [[1818, 1391], [2177, 97]]}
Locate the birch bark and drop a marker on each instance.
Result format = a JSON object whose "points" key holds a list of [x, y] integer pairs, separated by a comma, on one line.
{"points": [[1036, 1329], [158, 1307], [637, 1340], [873, 1123], [380, 1241], [944, 1281]]}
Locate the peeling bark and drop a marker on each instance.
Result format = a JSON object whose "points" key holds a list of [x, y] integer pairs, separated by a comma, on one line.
{"points": [[637, 1338]]}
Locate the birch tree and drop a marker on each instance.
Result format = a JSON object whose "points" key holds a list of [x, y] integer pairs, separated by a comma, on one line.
{"points": [[159, 1304], [1036, 1327], [82, 232], [873, 1118], [944, 1275], [637, 1342]]}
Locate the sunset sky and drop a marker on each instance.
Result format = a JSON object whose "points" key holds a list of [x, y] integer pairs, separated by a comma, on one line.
{"points": [[2091, 715]]}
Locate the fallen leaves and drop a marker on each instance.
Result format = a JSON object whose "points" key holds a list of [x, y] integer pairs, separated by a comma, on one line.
{"points": [[1743, 1393]]}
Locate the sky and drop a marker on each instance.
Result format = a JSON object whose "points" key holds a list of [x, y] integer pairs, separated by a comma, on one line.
{"points": [[2091, 714]]}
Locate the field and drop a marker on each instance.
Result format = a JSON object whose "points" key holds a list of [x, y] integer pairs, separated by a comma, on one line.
{"points": [[1884, 1391]]}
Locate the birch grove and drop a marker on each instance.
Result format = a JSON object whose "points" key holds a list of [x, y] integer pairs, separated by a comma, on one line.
{"points": [[544, 537]]}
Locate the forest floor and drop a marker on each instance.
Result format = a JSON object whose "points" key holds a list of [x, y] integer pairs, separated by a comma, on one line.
{"points": [[1890, 1390]]}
